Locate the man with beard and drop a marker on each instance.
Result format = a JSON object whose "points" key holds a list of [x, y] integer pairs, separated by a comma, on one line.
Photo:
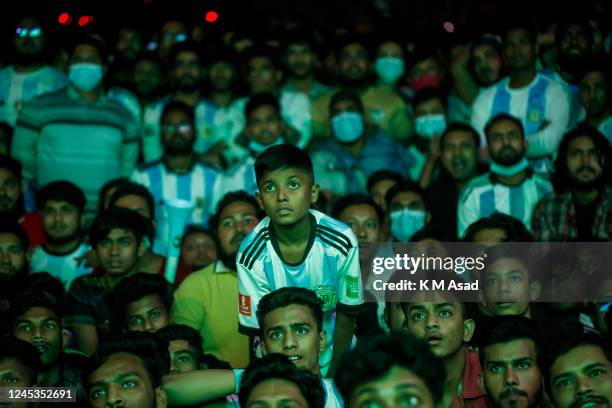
{"points": [[344, 162], [29, 76], [578, 372], [596, 96], [508, 353], [62, 204], [511, 186], [383, 108], [540, 104], [204, 298], [581, 205]]}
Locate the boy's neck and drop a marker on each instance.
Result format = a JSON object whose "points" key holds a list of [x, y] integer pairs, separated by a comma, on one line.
{"points": [[293, 234]]}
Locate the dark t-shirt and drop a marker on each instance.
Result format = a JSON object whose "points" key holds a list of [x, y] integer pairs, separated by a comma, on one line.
{"points": [[88, 304], [585, 216]]}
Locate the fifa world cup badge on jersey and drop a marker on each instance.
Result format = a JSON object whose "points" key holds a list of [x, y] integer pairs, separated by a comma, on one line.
{"points": [[534, 116], [327, 293], [352, 287], [245, 305]]}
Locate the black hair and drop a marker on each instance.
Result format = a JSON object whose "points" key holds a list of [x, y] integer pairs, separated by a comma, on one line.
{"points": [[375, 356], [560, 174], [178, 106], [564, 345], [25, 301], [282, 157], [120, 218], [185, 46], [182, 332], [152, 350], [435, 232], [518, 251], [10, 226], [232, 197], [404, 187], [345, 40], [596, 64], [288, 296], [93, 41], [350, 200], [61, 191], [260, 51], [504, 329], [12, 165], [460, 127], [381, 175], [500, 117], [278, 366], [514, 228], [300, 36], [136, 189], [429, 93], [518, 23], [450, 295], [50, 285], [261, 99], [421, 53], [192, 229], [24, 352], [112, 184], [570, 20], [346, 95], [134, 288]]}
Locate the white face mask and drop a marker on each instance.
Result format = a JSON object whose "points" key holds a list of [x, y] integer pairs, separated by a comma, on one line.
{"points": [[405, 222], [85, 76]]}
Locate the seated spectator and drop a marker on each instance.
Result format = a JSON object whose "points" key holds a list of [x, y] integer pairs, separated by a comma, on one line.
{"points": [[497, 227], [596, 94], [198, 248], [379, 183], [406, 210]]}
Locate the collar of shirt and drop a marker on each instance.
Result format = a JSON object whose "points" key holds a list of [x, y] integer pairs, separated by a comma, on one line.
{"points": [[221, 268]]}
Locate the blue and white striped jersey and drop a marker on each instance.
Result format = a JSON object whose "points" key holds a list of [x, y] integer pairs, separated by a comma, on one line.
{"points": [[333, 399], [330, 268], [63, 267], [200, 186], [483, 196], [240, 176]]}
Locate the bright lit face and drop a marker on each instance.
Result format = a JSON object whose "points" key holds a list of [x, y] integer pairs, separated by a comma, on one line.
{"points": [[42, 328], [276, 393], [584, 162], [183, 357], [511, 374], [198, 250], [286, 195], [399, 387], [582, 378], [62, 221], [487, 64], [459, 155], [235, 222], [264, 125], [363, 220], [292, 331], [506, 143], [10, 190], [12, 255], [147, 314], [519, 50], [119, 252], [595, 93], [507, 289]]}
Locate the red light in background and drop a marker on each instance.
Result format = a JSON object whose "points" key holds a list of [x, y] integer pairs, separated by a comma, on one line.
{"points": [[64, 19], [211, 16], [84, 20]]}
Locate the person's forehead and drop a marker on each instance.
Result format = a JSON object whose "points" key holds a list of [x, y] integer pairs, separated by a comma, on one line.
{"points": [[284, 173], [392, 380], [276, 389], [359, 210], [288, 315], [145, 303], [86, 50], [345, 104], [578, 358], [483, 49], [458, 136], [186, 55], [118, 364], [490, 235], [7, 174], [175, 114], [390, 46], [173, 26], [8, 238], [38, 313], [178, 345], [131, 201], [117, 233], [510, 350], [581, 142], [14, 365], [238, 208], [58, 204], [406, 196], [198, 236], [517, 33], [431, 300], [28, 22], [260, 61], [504, 126], [263, 111], [354, 48]]}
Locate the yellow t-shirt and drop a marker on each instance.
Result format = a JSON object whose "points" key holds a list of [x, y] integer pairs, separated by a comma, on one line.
{"points": [[207, 300]]}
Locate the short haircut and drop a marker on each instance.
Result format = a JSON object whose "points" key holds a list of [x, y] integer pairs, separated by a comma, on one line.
{"points": [[514, 228], [10, 226], [449, 295], [120, 218], [404, 187], [25, 301], [346, 95], [182, 332], [178, 106], [460, 127], [501, 117], [504, 329], [284, 297], [427, 94], [560, 174], [435, 232], [375, 356], [232, 197], [278, 366], [147, 346], [516, 251], [22, 351], [381, 175], [184, 46], [193, 229], [134, 288], [357, 199], [261, 99], [563, 346], [12, 165], [282, 157], [301, 35], [93, 41], [573, 19], [45, 282], [61, 191], [136, 189], [596, 64], [352, 38], [519, 23], [260, 51], [113, 184]]}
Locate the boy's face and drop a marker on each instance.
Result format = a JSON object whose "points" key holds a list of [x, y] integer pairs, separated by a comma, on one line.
{"points": [[438, 322], [363, 220], [183, 357], [507, 289], [10, 190], [511, 374], [276, 392], [264, 125], [582, 377], [399, 387], [286, 195], [123, 380], [62, 221], [147, 314], [14, 374], [292, 331], [42, 328], [119, 252], [12, 255]]}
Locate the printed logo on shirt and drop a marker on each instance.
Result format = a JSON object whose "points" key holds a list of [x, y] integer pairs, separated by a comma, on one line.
{"points": [[352, 287], [534, 116], [245, 305], [327, 293]]}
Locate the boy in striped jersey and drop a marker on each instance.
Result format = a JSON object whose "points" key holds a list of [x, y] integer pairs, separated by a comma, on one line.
{"points": [[510, 187], [297, 246]]}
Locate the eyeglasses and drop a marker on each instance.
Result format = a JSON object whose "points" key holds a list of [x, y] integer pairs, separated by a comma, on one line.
{"points": [[184, 127], [33, 32]]}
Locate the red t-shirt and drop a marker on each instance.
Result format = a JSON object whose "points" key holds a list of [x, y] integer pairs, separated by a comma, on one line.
{"points": [[32, 224]]}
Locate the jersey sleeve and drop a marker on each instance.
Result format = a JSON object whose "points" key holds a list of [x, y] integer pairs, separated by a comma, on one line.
{"points": [[350, 289], [252, 286]]}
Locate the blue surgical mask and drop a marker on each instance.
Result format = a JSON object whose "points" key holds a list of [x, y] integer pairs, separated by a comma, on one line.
{"points": [[389, 69], [347, 126], [258, 148], [85, 76], [405, 222], [430, 126], [508, 170]]}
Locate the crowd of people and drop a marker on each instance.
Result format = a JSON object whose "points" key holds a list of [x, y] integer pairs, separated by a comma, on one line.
{"points": [[303, 155]]}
